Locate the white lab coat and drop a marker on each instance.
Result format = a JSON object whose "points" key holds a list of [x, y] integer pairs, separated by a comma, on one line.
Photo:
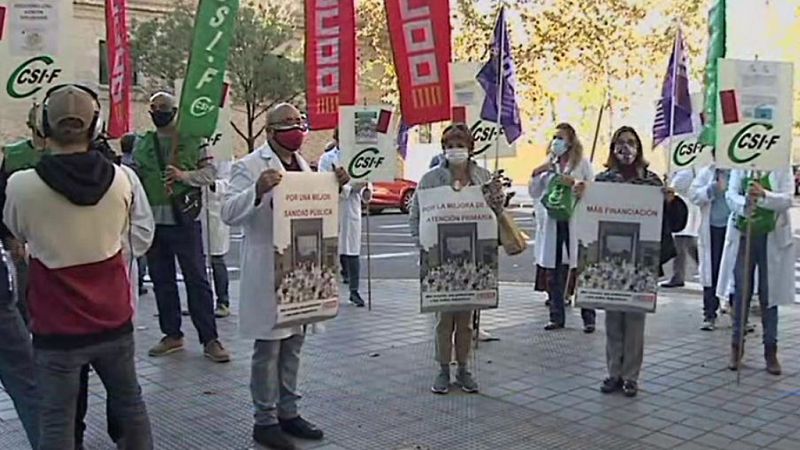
{"points": [[139, 235], [350, 203], [780, 243], [216, 233], [681, 182], [546, 228], [698, 194], [257, 307]]}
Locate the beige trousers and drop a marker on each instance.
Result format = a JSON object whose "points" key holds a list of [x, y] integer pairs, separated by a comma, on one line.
{"points": [[448, 323]]}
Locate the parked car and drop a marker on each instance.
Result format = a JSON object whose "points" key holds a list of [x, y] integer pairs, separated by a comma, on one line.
{"points": [[394, 194]]}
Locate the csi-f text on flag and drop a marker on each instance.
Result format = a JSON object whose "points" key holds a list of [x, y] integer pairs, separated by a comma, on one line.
{"points": [[203, 86]]}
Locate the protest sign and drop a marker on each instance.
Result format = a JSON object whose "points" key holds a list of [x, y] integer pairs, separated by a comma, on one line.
{"points": [[686, 150], [35, 53], [618, 228], [367, 142], [305, 234], [221, 142], [458, 235], [468, 99], [754, 114]]}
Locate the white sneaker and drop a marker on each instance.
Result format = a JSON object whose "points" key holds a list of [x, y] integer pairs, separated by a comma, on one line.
{"points": [[708, 325], [484, 336]]}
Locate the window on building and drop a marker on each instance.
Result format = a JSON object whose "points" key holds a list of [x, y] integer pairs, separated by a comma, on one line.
{"points": [[103, 67]]}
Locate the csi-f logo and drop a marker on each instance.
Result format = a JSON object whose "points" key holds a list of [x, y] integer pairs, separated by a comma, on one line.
{"points": [[753, 139], [201, 106], [365, 162], [31, 76], [484, 135], [686, 152]]}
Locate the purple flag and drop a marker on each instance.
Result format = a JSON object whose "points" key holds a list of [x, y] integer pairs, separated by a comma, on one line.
{"points": [[489, 78], [674, 109]]}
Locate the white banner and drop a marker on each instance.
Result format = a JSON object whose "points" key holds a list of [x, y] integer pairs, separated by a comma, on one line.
{"points": [[305, 229], [34, 48], [468, 99], [687, 152], [458, 235], [754, 114], [367, 140], [618, 227]]}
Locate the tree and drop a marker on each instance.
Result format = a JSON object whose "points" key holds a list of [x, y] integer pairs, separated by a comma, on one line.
{"points": [[263, 62]]}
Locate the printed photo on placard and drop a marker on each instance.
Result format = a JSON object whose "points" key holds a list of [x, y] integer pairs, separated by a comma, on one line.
{"points": [[306, 248], [366, 125], [755, 114], [367, 142], [618, 228], [459, 257]]}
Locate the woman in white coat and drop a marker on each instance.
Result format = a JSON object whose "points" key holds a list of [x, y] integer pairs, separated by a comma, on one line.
{"points": [[276, 352], [708, 193], [686, 239], [771, 252], [556, 247]]}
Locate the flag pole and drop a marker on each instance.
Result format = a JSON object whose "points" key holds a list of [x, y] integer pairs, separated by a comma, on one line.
{"points": [[500, 82], [673, 98], [597, 128]]}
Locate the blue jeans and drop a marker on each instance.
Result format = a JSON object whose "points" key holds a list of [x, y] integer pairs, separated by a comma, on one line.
{"points": [[16, 361], [58, 374], [273, 379], [186, 243], [717, 244], [741, 299], [219, 271], [351, 271]]}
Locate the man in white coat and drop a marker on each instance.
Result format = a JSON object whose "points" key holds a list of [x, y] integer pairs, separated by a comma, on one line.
{"points": [[686, 239], [276, 352], [351, 198], [771, 253], [217, 237]]}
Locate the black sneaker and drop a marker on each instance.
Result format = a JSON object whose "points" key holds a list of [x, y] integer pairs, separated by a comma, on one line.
{"points": [[630, 388], [553, 326], [672, 284], [301, 428], [272, 437], [611, 385], [356, 299], [589, 328]]}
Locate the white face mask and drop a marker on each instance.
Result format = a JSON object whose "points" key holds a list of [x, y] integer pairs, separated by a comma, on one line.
{"points": [[559, 147], [456, 156]]}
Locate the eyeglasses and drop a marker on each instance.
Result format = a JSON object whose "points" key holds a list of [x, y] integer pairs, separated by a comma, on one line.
{"points": [[288, 124]]}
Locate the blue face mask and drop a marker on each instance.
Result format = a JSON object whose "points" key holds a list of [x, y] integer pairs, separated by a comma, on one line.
{"points": [[559, 147]]}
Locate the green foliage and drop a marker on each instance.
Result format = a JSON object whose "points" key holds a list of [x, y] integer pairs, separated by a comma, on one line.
{"points": [[263, 68]]}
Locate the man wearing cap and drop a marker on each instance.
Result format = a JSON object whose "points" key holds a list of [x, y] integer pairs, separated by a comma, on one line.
{"points": [[73, 210], [172, 179], [18, 156]]}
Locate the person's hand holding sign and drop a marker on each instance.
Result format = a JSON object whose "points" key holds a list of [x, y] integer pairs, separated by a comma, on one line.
{"points": [[266, 181], [579, 188], [757, 191], [341, 176]]}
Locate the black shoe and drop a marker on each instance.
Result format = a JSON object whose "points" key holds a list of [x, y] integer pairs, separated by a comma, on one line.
{"points": [[588, 328], [301, 428], [611, 385], [356, 299], [142, 290], [547, 303], [630, 388], [272, 437], [672, 284], [553, 326]]}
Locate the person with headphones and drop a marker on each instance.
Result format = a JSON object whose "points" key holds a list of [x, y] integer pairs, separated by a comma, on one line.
{"points": [[19, 156], [72, 211], [173, 178]]}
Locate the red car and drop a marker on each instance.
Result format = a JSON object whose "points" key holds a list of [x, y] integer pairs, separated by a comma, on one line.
{"points": [[394, 194]]}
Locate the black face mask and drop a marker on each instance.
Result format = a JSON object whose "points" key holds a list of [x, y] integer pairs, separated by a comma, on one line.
{"points": [[162, 118]]}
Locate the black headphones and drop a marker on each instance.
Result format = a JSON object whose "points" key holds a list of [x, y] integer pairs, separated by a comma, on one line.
{"points": [[96, 126]]}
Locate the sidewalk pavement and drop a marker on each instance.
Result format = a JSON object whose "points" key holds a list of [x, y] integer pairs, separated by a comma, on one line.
{"points": [[366, 384]]}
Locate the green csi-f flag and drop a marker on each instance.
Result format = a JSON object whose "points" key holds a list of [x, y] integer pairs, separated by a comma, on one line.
{"points": [[203, 86], [716, 50]]}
